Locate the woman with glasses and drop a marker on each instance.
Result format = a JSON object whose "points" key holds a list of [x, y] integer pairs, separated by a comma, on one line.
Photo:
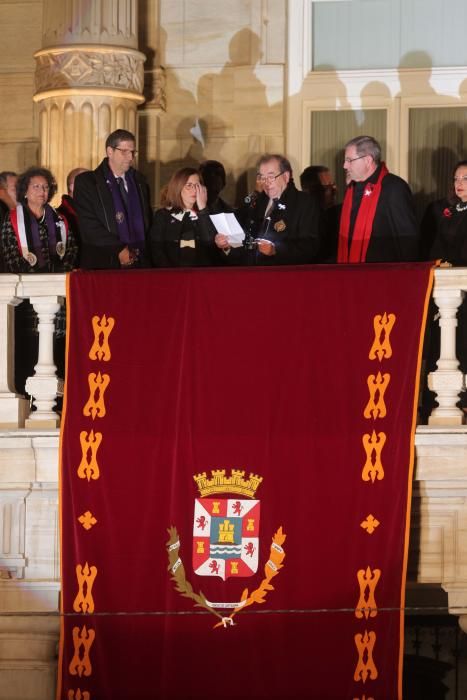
{"points": [[35, 238], [182, 233], [450, 239]]}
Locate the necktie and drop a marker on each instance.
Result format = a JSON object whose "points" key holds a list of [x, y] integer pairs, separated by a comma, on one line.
{"points": [[271, 206], [267, 217], [123, 192]]}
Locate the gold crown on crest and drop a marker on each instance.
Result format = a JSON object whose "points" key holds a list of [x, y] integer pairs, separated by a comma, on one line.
{"points": [[220, 483]]}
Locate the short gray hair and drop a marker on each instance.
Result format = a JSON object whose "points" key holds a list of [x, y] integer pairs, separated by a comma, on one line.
{"points": [[284, 164], [366, 146]]}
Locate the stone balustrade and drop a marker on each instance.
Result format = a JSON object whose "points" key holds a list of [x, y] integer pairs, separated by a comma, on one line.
{"points": [[29, 443], [47, 293]]}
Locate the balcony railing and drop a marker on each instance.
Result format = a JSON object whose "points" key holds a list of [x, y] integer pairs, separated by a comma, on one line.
{"points": [[46, 293]]}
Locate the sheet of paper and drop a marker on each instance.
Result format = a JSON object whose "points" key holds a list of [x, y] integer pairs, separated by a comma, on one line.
{"points": [[228, 225]]}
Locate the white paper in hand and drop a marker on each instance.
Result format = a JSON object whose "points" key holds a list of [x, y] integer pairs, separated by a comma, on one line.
{"points": [[229, 226]]}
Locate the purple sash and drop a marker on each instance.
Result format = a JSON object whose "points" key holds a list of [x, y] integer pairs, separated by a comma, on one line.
{"points": [[130, 224]]}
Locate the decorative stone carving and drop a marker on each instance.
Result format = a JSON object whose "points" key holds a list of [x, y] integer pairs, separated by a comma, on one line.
{"points": [[155, 88], [84, 67]]}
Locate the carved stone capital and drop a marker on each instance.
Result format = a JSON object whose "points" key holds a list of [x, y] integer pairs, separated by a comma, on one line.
{"points": [[89, 67]]}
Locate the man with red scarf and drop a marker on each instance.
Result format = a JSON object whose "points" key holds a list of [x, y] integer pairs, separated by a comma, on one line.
{"points": [[378, 220], [112, 203]]}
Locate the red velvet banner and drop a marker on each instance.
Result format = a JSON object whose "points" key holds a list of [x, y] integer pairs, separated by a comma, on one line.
{"points": [[236, 461]]}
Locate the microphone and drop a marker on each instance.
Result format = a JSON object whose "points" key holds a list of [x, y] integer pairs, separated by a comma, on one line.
{"points": [[252, 197]]}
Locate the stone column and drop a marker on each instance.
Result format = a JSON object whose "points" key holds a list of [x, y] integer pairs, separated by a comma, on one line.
{"points": [[447, 381], [89, 80], [43, 385]]}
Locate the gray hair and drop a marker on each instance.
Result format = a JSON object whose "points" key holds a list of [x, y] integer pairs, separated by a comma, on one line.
{"points": [[284, 164], [366, 146]]}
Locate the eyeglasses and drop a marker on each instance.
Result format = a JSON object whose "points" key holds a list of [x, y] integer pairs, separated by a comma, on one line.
{"points": [[191, 185], [351, 160], [460, 178], [269, 179], [126, 151], [37, 187]]}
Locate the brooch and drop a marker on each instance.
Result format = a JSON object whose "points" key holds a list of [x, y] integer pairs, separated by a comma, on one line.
{"points": [[279, 226], [60, 249], [120, 217]]}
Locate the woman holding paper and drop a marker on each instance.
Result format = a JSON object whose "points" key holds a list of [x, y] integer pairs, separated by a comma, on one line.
{"points": [[182, 233]]}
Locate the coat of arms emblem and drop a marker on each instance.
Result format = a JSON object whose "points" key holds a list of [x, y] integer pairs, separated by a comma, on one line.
{"points": [[226, 530], [226, 527]]}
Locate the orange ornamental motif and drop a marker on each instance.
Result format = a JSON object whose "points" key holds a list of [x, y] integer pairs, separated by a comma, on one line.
{"points": [[86, 576], [78, 695], [370, 524], [367, 580], [90, 443], [87, 520], [377, 385], [381, 348], [80, 665], [373, 468], [365, 665], [102, 327], [95, 406]]}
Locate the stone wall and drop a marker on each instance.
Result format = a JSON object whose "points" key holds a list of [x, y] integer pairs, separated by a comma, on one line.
{"points": [[219, 63]]}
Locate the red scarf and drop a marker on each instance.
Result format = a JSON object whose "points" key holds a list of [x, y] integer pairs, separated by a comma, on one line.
{"points": [[363, 224]]}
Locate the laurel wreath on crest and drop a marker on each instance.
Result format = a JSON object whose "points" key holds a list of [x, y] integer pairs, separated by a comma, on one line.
{"points": [[184, 587]]}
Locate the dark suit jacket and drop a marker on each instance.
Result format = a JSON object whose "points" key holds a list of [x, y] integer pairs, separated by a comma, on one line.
{"points": [[94, 205], [295, 228]]}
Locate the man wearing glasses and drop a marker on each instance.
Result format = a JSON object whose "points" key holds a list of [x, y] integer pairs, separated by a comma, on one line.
{"points": [[378, 220], [282, 224], [112, 203]]}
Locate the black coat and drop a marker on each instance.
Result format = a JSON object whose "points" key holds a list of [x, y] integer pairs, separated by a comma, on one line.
{"points": [[295, 228], [394, 236], [100, 241], [450, 242], [169, 229]]}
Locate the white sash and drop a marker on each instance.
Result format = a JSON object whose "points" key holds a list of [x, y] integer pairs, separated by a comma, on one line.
{"points": [[23, 241]]}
